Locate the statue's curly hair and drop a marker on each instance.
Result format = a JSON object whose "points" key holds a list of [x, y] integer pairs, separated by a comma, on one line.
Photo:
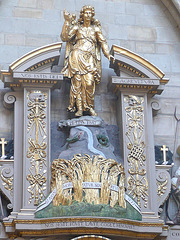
{"points": [[93, 21]]}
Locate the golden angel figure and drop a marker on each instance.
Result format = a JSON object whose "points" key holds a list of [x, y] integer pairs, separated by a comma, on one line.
{"points": [[82, 58]]}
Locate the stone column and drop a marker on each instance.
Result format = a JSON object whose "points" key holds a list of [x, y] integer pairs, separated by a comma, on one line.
{"points": [[135, 121], [17, 99]]}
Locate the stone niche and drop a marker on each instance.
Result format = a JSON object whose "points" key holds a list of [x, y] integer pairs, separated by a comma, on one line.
{"points": [[31, 79]]}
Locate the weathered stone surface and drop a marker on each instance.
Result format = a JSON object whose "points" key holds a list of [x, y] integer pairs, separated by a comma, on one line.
{"points": [[37, 41], [141, 33], [48, 4], [164, 48], [148, 2], [122, 19], [27, 13], [155, 21], [128, 44], [145, 47], [1, 38], [175, 62], [117, 32], [160, 61], [135, 9], [6, 11], [68, 4], [14, 39], [164, 125], [153, 10], [165, 34], [171, 92], [29, 3]]}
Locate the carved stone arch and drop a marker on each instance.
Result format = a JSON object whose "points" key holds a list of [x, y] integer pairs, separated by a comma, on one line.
{"points": [[134, 71], [34, 67], [133, 64], [37, 59]]}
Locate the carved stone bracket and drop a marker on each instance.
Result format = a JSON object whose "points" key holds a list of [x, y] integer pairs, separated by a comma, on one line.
{"points": [[156, 106], [6, 178], [9, 99], [163, 181]]}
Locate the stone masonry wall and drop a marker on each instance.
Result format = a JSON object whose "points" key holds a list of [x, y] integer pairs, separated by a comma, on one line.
{"points": [[143, 26]]}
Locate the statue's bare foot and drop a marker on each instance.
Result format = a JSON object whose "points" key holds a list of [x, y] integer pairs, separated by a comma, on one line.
{"points": [[79, 113], [92, 112], [71, 109]]}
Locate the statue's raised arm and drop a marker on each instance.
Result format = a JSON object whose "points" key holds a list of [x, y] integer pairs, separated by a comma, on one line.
{"points": [[69, 22]]}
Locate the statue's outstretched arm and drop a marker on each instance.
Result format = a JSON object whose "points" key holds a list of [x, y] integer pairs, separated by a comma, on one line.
{"points": [[102, 41]]}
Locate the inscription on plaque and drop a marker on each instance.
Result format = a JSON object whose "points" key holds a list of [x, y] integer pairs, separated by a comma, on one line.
{"points": [[92, 224], [135, 81], [49, 76], [175, 234]]}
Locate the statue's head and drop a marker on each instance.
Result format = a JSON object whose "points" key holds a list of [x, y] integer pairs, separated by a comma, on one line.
{"points": [[87, 11]]}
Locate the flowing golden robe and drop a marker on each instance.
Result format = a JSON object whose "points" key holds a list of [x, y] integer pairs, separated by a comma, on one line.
{"points": [[82, 63]]}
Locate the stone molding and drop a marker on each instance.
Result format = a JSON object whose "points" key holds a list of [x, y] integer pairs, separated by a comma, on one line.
{"points": [[76, 225], [173, 6]]}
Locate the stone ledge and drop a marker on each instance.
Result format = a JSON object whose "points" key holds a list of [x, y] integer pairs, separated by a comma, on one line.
{"points": [[76, 225]]}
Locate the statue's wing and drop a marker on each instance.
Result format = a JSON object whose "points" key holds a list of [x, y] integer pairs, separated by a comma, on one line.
{"points": [[69, 47], [98, 57]]}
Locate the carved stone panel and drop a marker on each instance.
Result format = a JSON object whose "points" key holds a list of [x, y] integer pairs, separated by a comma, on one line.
{"points": [[137, 183], [36, 152]]}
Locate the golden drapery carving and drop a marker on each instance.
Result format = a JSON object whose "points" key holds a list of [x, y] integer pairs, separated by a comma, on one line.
{"points": [[137, 183], [37, 145], [82, 58], [85, 169]]}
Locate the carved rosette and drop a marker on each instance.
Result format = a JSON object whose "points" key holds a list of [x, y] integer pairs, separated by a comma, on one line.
{"points": [[137, 183], [37, 144]]}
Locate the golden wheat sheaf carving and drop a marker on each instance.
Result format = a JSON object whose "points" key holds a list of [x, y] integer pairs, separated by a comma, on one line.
{"points": [[85, 169]]}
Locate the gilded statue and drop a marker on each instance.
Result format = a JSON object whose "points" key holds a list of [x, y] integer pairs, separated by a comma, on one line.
{"points": [[82, 64]]}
